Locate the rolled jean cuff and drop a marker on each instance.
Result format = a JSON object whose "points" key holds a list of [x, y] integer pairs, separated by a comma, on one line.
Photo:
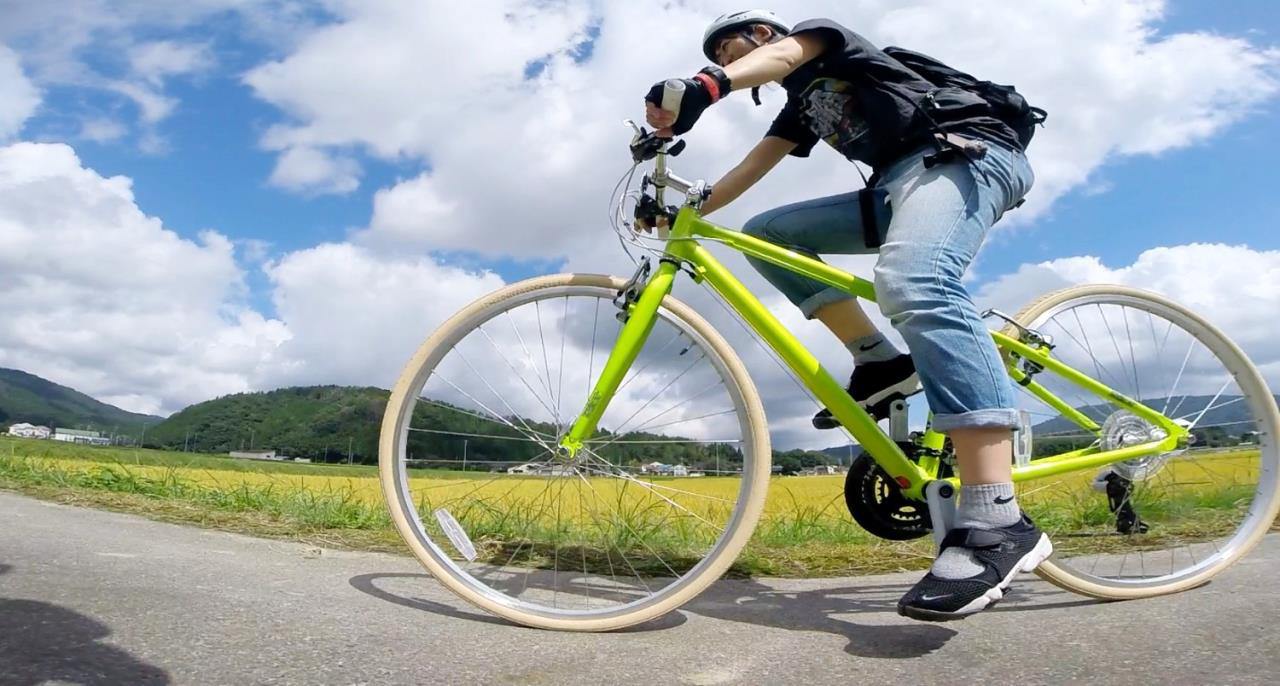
{"points": [[978, 419], [820, 300]]}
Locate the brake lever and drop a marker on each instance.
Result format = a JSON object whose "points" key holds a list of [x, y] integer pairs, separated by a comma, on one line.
{"points": [[646, 145]]}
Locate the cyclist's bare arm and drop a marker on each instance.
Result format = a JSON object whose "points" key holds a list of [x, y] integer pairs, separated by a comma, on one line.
{"points": [[762, 158], [774, 61]]}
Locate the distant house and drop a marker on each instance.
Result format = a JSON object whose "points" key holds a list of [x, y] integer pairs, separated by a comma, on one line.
{"points": [[824, 470], [655, 468], [680, 470], [541, 469], [256, 455], [78, 436], [30, 431]]}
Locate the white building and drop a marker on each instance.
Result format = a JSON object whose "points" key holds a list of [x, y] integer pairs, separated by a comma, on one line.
{"points": [[78, 436], [30, 431]]}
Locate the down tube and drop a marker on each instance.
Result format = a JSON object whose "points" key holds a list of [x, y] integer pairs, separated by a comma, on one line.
{"points": [[802, 362], [640, 320]]}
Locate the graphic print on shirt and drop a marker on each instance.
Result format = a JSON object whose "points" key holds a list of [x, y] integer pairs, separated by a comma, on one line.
{"points": [[830, 110]]}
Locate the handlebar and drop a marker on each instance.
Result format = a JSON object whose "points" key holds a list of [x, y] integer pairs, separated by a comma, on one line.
{"points": [[646, 145]]}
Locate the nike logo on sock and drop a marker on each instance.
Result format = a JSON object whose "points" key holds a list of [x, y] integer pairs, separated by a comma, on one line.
{"points": [[865, 348], [1003, 501]]}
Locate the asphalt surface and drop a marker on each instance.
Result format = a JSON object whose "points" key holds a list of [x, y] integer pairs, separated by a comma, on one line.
{"points": [[89, 597]]}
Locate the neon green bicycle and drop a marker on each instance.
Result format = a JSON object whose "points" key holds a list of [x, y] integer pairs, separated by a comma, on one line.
{"points": [[584, 452]]}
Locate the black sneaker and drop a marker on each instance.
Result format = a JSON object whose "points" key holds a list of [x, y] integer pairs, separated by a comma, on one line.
{"points": [[1004, 552], [875, 386]]}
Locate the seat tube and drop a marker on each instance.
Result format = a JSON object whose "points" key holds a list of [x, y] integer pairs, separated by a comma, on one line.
{"points": [[641, 316]]}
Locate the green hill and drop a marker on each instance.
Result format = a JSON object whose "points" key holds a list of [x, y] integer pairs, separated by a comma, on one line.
{"points": [[309, 422], [323, 423], [28, 398]]}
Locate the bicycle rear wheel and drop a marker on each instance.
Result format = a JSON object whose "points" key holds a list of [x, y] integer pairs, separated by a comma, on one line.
{"points": [[599, 540], [1161, 523]]}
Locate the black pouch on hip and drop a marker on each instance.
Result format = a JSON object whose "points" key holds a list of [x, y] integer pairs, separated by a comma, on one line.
{"points": [[877, 211]]}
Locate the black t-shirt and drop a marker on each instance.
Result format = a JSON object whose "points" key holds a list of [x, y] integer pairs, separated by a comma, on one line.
{"points": [[864, 103]]}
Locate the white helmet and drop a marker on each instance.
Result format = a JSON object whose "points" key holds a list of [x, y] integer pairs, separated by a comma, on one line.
{"points": [[736, 21]]}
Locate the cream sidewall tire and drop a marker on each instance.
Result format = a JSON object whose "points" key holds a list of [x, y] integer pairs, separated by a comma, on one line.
{"points": [[391, 446]]}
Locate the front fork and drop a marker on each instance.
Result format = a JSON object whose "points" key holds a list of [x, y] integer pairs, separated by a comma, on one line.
{"points": [[640, 315]]}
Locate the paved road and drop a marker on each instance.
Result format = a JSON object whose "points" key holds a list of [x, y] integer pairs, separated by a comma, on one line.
{"points": [[101, 598]]}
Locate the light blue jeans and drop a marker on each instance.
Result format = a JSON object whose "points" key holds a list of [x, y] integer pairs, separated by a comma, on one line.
{"points": [[940, 218]]}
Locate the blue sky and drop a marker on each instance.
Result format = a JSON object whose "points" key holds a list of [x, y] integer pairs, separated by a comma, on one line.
{"points": [[278, 82]]}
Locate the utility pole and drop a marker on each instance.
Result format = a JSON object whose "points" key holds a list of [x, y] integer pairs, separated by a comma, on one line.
{"points": [[250, 440], [464, 454], [184, 440], [348, 450]]}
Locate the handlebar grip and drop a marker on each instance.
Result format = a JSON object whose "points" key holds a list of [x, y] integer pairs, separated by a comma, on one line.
{"points": [[672, 94]]}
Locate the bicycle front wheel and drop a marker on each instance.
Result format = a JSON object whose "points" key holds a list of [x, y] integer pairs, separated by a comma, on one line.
{"points": [[1165, 522], [655, 506]]}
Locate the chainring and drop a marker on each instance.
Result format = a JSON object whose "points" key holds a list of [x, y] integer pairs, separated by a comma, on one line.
{"points": [[877, 504]]}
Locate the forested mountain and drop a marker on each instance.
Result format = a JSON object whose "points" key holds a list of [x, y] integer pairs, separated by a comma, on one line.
{"points": [[332, 423], [28, 398]]}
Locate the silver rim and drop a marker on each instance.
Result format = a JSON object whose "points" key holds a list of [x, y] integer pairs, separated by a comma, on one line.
{"points": [[1204, 506], [534, 376]]}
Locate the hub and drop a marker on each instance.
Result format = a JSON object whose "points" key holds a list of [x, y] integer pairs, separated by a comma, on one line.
{"points": [[1123, 429]]}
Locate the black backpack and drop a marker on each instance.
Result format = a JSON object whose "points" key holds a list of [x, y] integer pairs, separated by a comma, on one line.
{"points": [[1007, 104]]}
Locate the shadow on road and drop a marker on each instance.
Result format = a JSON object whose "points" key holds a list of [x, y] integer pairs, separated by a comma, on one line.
{"points": [[365, 583], [820, 610], [42, 643], [755, 602]]}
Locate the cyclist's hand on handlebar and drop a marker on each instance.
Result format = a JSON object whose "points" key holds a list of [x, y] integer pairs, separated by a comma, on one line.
{"points": [[660, 119], [699, 93]]}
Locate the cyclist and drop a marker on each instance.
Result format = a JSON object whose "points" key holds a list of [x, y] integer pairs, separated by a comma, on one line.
{"points": [[949, 172]]}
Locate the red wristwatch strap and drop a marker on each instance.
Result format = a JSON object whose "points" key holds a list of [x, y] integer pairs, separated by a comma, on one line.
{"points": [[712, 86]]}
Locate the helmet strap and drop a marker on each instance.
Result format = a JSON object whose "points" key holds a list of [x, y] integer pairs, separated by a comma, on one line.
{"points": [[750, 35]]}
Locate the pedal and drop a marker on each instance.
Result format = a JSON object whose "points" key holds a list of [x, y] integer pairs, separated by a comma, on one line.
{"points": [[898, 430], [941, 497]]}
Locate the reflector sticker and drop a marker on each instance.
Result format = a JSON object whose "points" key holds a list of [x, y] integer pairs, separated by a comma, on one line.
{"points": [[457, 536]]}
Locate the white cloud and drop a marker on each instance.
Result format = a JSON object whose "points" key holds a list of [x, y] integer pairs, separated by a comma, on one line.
{"points": [[101, 297], [101, 130], [356, 317], [156, 61], [152, 105], [311, 170], [19, 98]]}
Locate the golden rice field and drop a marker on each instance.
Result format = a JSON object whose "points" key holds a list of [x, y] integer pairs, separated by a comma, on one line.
{"points": [[805, 528]]}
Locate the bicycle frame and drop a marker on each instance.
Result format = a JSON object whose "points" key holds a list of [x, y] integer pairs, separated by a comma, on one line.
{"points": [[683, 249]]}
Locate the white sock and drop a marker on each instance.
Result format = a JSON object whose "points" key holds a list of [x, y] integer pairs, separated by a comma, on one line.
{"points": [[873, 348], [983, 506]]}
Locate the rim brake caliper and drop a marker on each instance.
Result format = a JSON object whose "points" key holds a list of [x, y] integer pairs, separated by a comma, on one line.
{"points": [[630, 291]]}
